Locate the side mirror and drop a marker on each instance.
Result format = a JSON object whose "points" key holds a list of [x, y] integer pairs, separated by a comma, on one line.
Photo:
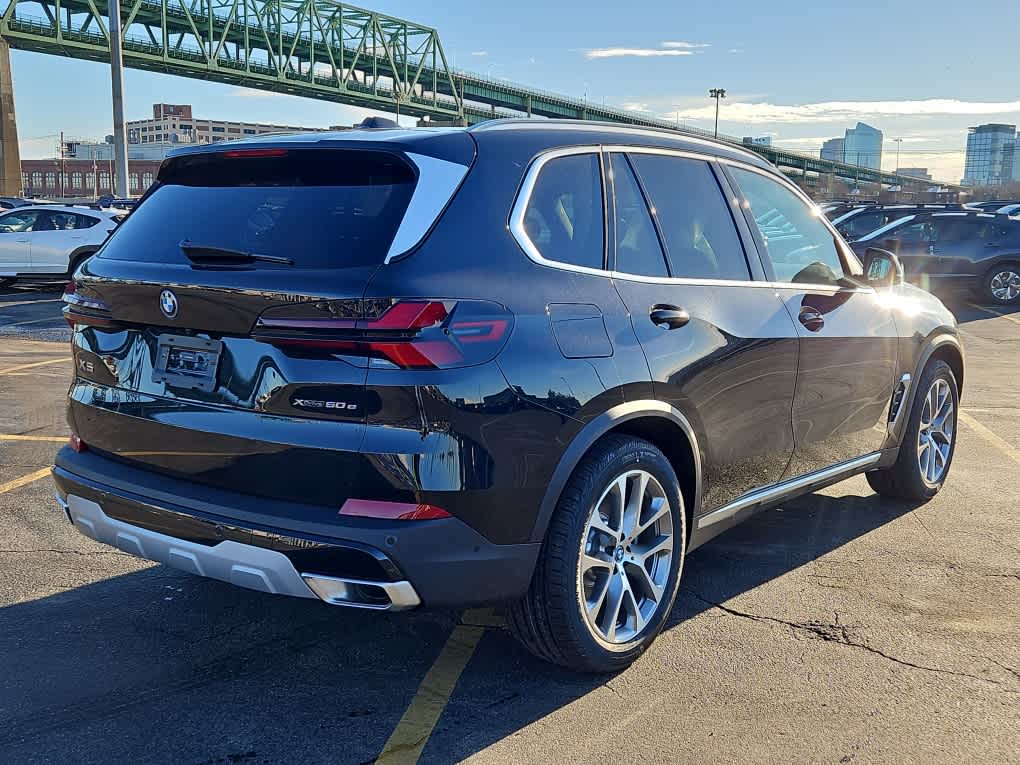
{"points": [[882, 268]]}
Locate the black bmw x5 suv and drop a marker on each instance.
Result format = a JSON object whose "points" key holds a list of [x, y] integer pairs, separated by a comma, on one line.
{"points": [[530, 363]]}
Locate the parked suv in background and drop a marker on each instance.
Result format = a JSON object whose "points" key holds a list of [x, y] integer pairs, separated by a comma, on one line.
{"points": [[952, 251], [862, 220], [531, 362], [51, 240]]}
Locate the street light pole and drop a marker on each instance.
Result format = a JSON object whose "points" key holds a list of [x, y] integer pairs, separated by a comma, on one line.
{"points": [[897, 141], [717, 94], [117, 84]]}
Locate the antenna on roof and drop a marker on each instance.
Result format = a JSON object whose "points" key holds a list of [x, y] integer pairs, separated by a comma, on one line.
{"points": [[376, 123]]}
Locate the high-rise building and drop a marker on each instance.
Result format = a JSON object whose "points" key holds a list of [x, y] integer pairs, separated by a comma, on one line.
{"points": [[990, 153], [862, 145], [832, 150]]}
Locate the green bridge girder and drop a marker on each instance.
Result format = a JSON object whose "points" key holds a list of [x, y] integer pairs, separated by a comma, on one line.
{"points": [[329, 51]]}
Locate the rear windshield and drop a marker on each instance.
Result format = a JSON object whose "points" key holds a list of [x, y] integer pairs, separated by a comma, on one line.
{"points": [[320, 209]]}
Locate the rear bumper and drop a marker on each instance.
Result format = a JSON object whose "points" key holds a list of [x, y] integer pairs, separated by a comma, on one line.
{"points": [[282, 548]]}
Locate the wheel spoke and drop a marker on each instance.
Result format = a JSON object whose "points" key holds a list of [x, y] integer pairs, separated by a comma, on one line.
{"points": [[614, 601], [657, 508], [637, 486], [647, 585], [631, 606], [661, 545], [596, 523], [589, 562], [599, 591]]}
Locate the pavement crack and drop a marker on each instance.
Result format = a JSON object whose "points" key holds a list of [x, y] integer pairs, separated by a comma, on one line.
{"points": [[838, 633]]}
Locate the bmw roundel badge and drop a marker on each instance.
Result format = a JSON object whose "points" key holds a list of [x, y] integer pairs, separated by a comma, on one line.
{"points": [[168, 303]]}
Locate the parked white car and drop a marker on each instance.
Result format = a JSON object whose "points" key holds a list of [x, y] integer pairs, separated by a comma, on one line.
{"points": [[51, 240]]}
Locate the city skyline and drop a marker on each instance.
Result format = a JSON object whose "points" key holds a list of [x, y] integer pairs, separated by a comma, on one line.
{"points": [[929, 103]]}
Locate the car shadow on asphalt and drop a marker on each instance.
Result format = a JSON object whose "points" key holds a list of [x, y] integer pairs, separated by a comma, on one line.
{"points": [[110, 670]]}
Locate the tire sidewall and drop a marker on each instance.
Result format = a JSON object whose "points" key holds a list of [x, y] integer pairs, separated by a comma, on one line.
{"points": [[634, 454]]}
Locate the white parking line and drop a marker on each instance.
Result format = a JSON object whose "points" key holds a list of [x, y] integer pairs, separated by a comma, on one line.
{"points": [[28, 302], [32, 321], [993, 312]]}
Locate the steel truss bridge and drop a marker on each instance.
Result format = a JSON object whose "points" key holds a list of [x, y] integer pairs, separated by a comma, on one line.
{"points": [[325, 50]]}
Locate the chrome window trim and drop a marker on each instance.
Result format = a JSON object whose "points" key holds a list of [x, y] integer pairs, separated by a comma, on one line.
{"points": [[789, 487], [438, 181], [887, 227], [517, 212]]}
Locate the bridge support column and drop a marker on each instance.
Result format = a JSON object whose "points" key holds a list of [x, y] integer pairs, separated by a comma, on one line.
{"points": [[10, 157]]}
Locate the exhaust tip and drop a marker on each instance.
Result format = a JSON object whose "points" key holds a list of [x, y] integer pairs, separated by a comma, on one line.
{"points": [[360, 593]]}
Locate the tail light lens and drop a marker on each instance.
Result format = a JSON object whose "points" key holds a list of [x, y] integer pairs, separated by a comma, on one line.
{"points": [[82, 308], [409, 334], [77, 444], [392, 511]]}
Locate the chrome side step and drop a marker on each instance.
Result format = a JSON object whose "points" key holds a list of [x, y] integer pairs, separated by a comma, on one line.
{"points": [[796, 485]]}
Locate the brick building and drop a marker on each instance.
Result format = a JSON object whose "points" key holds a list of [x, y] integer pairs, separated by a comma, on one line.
{"points": [[82, 178]]}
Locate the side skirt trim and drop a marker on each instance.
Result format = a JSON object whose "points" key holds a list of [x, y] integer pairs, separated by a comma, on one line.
{"points": [[786, 488]]}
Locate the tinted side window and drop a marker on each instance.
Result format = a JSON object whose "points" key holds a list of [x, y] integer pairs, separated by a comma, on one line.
{"points": [[17, 222], [695, 220], [86, 221], [637, 244], [863, 224], [799, 246], [564, 219]]}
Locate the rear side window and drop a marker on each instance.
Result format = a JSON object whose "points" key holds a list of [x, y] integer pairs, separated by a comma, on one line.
{"points": [[637, 244], [564, 218], [319, 208], [695, 220]]}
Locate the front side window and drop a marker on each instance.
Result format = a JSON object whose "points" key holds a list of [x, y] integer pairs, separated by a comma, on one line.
{"points": [[17, 222], [637, 244], [701, 239], [797, 243], [564, 217]]}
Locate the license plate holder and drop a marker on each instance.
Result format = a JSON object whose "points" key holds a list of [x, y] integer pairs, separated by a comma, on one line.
{"points": [[187, 362]]}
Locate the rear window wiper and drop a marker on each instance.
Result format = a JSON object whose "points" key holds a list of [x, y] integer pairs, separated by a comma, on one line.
{"points": [[211, 255]]}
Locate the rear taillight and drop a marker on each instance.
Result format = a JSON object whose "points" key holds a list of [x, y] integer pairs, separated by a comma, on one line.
{"points": [[77, 444], [409, 334], [82, 308], [392, 511]]}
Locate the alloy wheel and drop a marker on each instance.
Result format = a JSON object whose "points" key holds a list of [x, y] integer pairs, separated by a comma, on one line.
{"points": [[935, 436], [626, 556], [1005, 285]]}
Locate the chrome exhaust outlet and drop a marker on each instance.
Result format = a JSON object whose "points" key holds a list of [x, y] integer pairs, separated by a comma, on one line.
{"points": [[359, 593]]}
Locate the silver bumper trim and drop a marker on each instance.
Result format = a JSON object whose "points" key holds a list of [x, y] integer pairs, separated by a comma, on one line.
{"points": [[254, 568]]}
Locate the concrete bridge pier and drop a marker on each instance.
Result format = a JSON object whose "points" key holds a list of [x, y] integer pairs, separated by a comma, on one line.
{"points": [[10, 157]]}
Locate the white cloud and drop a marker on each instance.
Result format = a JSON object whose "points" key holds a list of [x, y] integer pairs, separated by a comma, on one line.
{"points": [[480, 53], [735, 51], [253, 93], [638, 52], [682, 45], [840, 111], [635, 106]]}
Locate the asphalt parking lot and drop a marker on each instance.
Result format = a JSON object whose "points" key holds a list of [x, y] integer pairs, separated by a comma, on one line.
{"points": [[842, 628]]}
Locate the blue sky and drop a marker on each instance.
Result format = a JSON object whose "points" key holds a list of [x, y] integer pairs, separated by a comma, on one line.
{"points": [[800, 71]]}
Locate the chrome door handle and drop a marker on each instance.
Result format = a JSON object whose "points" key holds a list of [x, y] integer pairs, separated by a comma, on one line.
{"points": [[811, 318], [669, 316]]}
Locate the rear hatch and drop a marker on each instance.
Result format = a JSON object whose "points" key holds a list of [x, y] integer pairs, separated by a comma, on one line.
{"points": [[219, 332]]}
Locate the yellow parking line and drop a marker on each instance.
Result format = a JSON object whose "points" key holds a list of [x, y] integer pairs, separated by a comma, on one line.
{"points": [[998, 442], [48, 439], [412, 733], [62, 359], [992, 311], [24, 480]]}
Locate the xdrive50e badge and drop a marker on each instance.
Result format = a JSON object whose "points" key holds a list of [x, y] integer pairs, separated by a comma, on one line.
{"points": [[168, 303]]}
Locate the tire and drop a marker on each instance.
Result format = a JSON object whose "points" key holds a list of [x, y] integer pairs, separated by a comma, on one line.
{"points": [[1001, 285], [552, 619], [911, 477]]}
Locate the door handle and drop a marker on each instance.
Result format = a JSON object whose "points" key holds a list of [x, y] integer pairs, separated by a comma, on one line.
{"points": [[669, 316], [811, 318]]}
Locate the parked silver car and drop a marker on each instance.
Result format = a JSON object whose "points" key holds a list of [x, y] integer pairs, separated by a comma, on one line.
{"points": [[51, 240]]}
